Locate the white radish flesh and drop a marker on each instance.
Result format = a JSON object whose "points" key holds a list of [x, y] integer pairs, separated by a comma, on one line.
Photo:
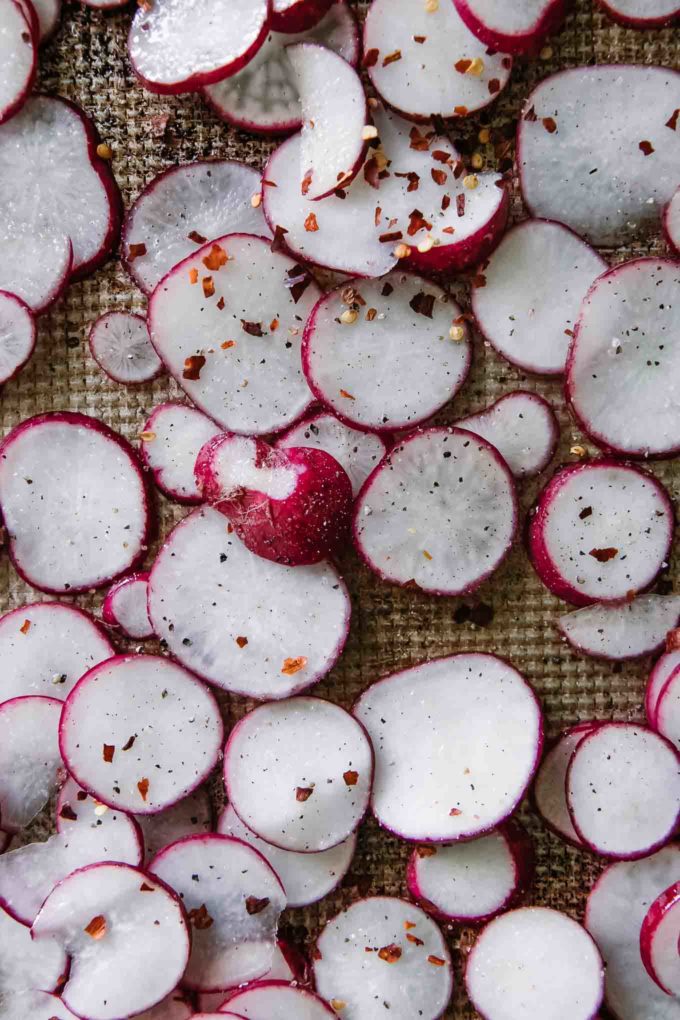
{"points": [[17, 335], [189, 817], [125, 607], [523, 428], [512, 28], [30, 761], [550, 795], [17, 58], [26, 964], [671, 222], [625, 631], [667, 714], [660, 673], [287, 965], [357, 452], [273, 1000], [37, 281], [660, 938], [171, 441], [33, 1004], [642, 13], [119, 343]]}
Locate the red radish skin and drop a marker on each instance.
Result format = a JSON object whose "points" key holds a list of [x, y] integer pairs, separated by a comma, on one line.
{"points": [[549, 790], [523, 428], [119, 343], [485, 19], [288, 965], [105, 5], [671, 222], [30, 771], [667, 712], [276, 1000], [621, 631], [640, 14], [297, 15], [26, 963], [48, 13], [171, 440], [660, 673], [659, 937], [188, 817], [17, 335], [125, 607], [357, 452], [37, 282], [18, 58]]}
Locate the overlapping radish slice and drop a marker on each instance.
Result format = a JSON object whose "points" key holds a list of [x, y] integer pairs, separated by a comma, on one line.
{"points": [[18, 58], [657, 679], [659, 940], [177, 1006], [625, 631], [550, 795], [233, 907], [297, 15], [443, 734], [299, 773], [34, 1004], [189, 817], [287, 625], [30, 761], [287, 965], [671, 222], [17, 335], [171, 441], [26, 965], [119, 343], [357, 452], [276, 1000], [37, 281], [76, 809], [48, 13], [642, 13], [667, 713], [622, 151], [125, 607], [512, 28], [523, 428]]}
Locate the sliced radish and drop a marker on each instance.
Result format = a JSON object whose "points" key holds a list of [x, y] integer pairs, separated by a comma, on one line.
{"points": [[119, 343], [660, 938], [523, 428], [125, 607], [104, 5], [48, 13], [77, 809], [30, 763], [357, 452], [175, 1007], [171, 441], [535, 962], [287, 965], [550, 794], [18, 59], [625, 631], [443, 733], [662, 670], [297, 15], [276, 1000], [671, 222], [25, 964], [642, 13], [191, 816], [287, 625], [535, 282], [17, 335], [601, 531], [512, 28], [36, 1005], [667, 713], [439, 512], [38, 281]]}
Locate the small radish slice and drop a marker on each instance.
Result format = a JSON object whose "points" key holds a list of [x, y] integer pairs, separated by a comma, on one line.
{"points": [[287, 965], [642, 13], [37, 281], [439, 512], [626, 346], [442, 733], [119, 343], [623, 790], [667, 714], [126, 935], [512, 28], [550, 795], [276, 1000], [659, 940], [76, 809], [671, 222], [68, 530], [233, 906], [523, 428], [49, 15], [26, 964], [36, 1005], [17, 335], [625, 631], [125, 607], [357, 452], [189, 817], [286, 625], [656, 682], [171, 441], [18, 58], [536, 280], [535, 962], [297, 15], [30, 763], [129, 729], [601, 531]]}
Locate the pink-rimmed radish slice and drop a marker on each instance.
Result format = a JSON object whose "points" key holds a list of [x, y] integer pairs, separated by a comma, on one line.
{"points": [[287, 625], [175, 1007], [233, 907], [601, 531], [30, 761], [34, 1004], [119, 343], [658, 676], [68, 530], [667, 712], [642, 13], [536, 280], [442, 733], [17, 335], [48, 13], [25, 964], [357, 452], [171, 441], [535, 962], [77, 809], [439, 512], [621, 154], [18, 58], [297, 15], [626, 346], [189, 817], [671, 222], [37, 281], [125, 607], [624, 631], [276, 1000], [660, 938], [523, 428], [549, 792], [512, 28], [287, 965]]}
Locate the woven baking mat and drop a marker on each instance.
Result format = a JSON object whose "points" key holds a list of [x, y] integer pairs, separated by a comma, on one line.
{"points": [[391, 628]]}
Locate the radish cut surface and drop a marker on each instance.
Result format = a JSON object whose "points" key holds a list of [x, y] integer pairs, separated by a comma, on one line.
{"points": [[550, 794], [523, 428], [512, 28], [667, 715], [36, 1005], [26, 964], [357, 452], [189, 817], [276, 1000], [287, 965], [36, 281], [625, 631], [204, 577], [125, 607], [17, 58], [659, 938], [642, 13], [660, 673], [299, 773], [30, 761], [173, 437], [119, 343], [439, 511], [77, 809], [671, 221], [456, 743], [17, 335]]}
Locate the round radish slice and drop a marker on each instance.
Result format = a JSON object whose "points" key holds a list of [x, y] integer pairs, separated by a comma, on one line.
{"points": [[626, 346], [191, 816], [233, 907], [175, 1007], [535, 962], [125, 607], [625, 631], [126, 935], [276, 1000], [657, 681], [642, 13], [18, 59], [67, 531], [287, 625], [297, 15], [119, 343], [667, 714], [601, 531], [623, 790], [26, 964], [671, 222], [140, 733], [76, 809], [401, 321], [36, 281], [439, 512], [550, 795], [30, 762], [312, 760], [17, 335], [660, 938], [48, 13], [287, 965], [523, 428], [171, 441], [357, 452], [443, 732], [512, 28], [36, 1005]]}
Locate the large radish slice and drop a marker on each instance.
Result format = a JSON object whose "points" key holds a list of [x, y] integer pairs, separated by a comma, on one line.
{"points": [[193, 815], [601, 531], [36, 1005], [658, 676], [621, 150], [30, 761], [286, 625], [68, 529], [439, 512], [297, 15], [287, 965], [667, 713], [549, 792], [523, 428], [512, 28], [626, 346], [276, 1000], [535, 962], [233, 899], [37, 281], [125, 607], [642, 13], [171, 441], [357, 452], [671, 222], [310, 759], [126, 935], [659, 940], [17, 335], [443, 732], [625, 631], [18, 58], [119, 343], [26, 964]]}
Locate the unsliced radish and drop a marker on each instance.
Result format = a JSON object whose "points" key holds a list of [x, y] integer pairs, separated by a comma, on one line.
{"points": [[512, 28], [276, 1000], [37, 281], [190, 816], [659, 940], [642, 13], [667, 712], [535, 962], [17, 335], [439, 512], [357, 452], [535, 282], [233, 899], [671, 222], [18, 58], [601, 531], [48, 13], [31, 767], [443, 733], [287, 965], [297, 15], [74, 502], [624, 631], [33, 1004], [125, 607], [550, 794], [25, 964], [171, 441], [523, 428], [126, 934], [119, 343]]}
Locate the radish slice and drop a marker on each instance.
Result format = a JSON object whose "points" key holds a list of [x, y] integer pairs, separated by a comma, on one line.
{"points": [[667, 714], [125, 607], [550, 795], [37, 281], [625, 631], [17, 335], [535, 282], [119, 343], [104, 5], [287, 965], [49, 14], [512, 28], [276, 1000], [125, 933], [442, 733], [189, 817], [312, 760], [535, 962], [171, 441], [76, 809], [175, 1007], [659, 939], [18, 59], [439, 512], [383, 950], [401, 320], [621, 155], [657, 681], [66, 509], [204, 579], [601, 531], [625, 346], [36, 1005], [30, 768], [297, 15], [523, 428], [623, 790], [233, 907], [642, 13], [26, 964], [671, 222], [357, 452]]}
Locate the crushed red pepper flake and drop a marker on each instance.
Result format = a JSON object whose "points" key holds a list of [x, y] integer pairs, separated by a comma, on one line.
{"points": [[216, 258], [278, 243], [436, 961], [371, 314], [193, 276], [200, 918], [108, 751], [550, 124], [460, 205], [351, 777], [371, 57], [242, 642], [604, 555], [672, 121], [193, 366], [136, 251], [460, 111], [530, 116], [297, 280], [303, 793], [306, 182], [346, 395], [438, 176], [646, 148], [68, 813], [391, 235], [294, 665], [252, 328], [419, 38], [418, 141], [479, 280], [143, 787], [391, 58], [422, 304], [494, 86], [255, 905], [454, 812], [208, 286], [226, 345], [448, 230], [25, 627], [274, 325], [311, 225], [416, 222], [463, 66], [390, 954], [196, 237], [413, 180], [387, 289], [220, 304], [316, 954], [129, 742], [371, 171], [673, 640], [409, 925], [415, 940], [96, 929]]}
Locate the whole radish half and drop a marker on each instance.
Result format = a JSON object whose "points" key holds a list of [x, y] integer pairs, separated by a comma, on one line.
{"points": [[27, 965], [297, 15], [37, 282], [125, 607], [622, 631], [191, 816], [671, 222], [667, 711], [549, 792], [659, 939], [171, 440], [17, 335], [523, 428], [288, 965], [660, 673], [642, 13], [277, 1000], [18, 58], [119, 343], [512, 28], [31, 769], [357, 452]]}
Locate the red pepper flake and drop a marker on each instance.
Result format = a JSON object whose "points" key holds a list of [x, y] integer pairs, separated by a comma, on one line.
{"points": [[646, 148], [346, 395], [673, 640], [278, 244], [68, 813], [419, 142], [416, 222], [351, 778], [200, 918], [268, 184], [454, 812], [463, 66], [415, 940], [446, 202], [215, 259], [441, 156], [506, 63], [294, 665], [242, 642], [273, 325], [311, 226], [604, 555], [227, 345], [220, 304], [586, 512], [136, 251], [371, 314], [303, 793], [96, 929], [494, 86], [306, 182], [255, 905], [412, 178], [145, 887], [371, 58], [371, 172], [196, 237], [25, 627], [316, 954], [459, 169], [426, 851], [438, 176], [409, 925], [550, 124], [422, 304], [448, 230], [390, 954], [387, 289], [419, 38], [391, 58], [193, 276], [129, 742], [208, 286], [460, 111], [479, 280], [569, 332], [143, 787], [460, 205], [252, 328], [108, 751], [436, 961], [672, 122], [391, 235], [193, 366]]}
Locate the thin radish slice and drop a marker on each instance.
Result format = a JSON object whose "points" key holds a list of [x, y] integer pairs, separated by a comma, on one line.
{"points": [[667, 714], [535, 962], [312, 760], [17, 335], [512, 28], [671, 222], [126, 935], [233, 907], [83, 519], [76, 809], [26, 964], [171, 441], [189, 817], [49, 14], [626, 346], [119, 343], [125, 607], [621, 155], [439, 512], [550, 795], [523, 428], [30, 762], [642, 13], [37, 281], [287, 965], [357, 452], [443, 732], [36, 1005], [297, 15], [601, 531], [18, 58], [660, 673], [625, 631], [659, 940], [276, 1000], [535, 282]]}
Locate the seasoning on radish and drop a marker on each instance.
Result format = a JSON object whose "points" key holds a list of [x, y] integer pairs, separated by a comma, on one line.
{"points": [[171, 440], [516, 28], [357, 452], [30, 769], [549, 792], [119, 343], [523, 428], [125, 607]]}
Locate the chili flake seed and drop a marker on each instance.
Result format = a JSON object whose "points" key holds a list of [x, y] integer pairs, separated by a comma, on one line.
{"points": [[294, 665], [349, 316], [457, 333], [200, 918], [427, 555], [104, 151], [108, 751], [390, 954], [255, 905], [351, 778], [338, 1004], [477, 161], [311, 225], [96, 929], [369, 131], [476, 67], [470, 181], [546, 53], [402, 251], [578, 451], [303, 793], [25, 627], [426, 244], [436, 961], [146, 437], [100, 809], [484, 136], [136, 251], [431, 6], [256, 200], [143, 787], [242, 642]]}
